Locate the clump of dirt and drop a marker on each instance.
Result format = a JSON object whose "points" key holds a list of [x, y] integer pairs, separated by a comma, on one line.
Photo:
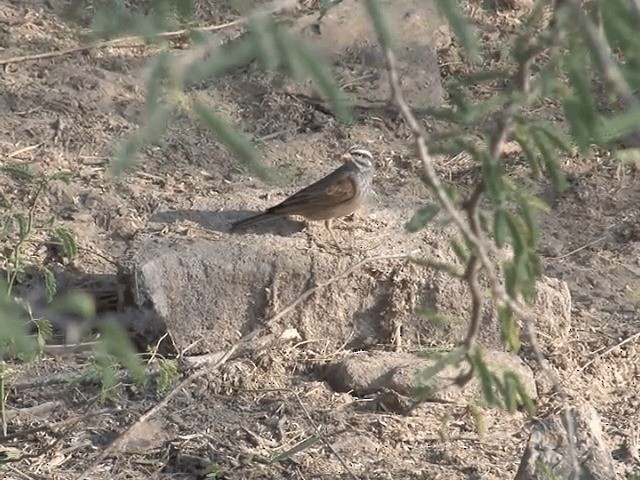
{"points": [[67, 112]]}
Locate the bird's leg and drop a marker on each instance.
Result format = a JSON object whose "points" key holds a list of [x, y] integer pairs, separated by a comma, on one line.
{"points": [[327, 224]]}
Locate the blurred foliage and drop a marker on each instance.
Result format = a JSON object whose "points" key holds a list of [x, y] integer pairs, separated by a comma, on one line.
{"points": [[560, 61]]}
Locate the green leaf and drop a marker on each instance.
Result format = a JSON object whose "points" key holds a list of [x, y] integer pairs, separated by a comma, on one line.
{"points": [[580, 131], [461, 251], [620, 24], [486, 379], [528, 204], [227, 58], [68, 241], [556, 136], [522, 136], [50, 284], [79, 303], [168, 374], [628, 155], [265, 45], [422, 217], [323, 79], [525, 399], [492, 177], [295, 66], [581, 110], [436, 318], [18, 172], [509, 329], [510, 394], [460, 26], [450, 268], [114, 342], [425, 377], [500, 227], [63, 176], [14, 338], [126, 155], [184, 8], [619, 127], [511, 280], [236, 142], [551, 161], [378, 15], [155, 95]]}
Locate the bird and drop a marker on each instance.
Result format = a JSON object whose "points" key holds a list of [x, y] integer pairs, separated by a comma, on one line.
{"points": [[338, 194]]}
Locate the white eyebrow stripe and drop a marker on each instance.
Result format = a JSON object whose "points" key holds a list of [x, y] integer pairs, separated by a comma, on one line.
{"points": [[361, 151]]}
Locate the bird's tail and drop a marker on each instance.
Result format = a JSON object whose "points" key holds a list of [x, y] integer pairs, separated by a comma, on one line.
{"points": [[247, 222]]}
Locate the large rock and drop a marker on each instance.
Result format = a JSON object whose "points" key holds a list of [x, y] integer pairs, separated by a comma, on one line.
{"points": [[208, 293], [367, 373]]}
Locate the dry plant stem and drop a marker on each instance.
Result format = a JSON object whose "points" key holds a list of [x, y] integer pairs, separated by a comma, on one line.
{"points": [[118, 442], [323, 438], [632, 338], [20, 473], [482, 247], [133, 41], [59, 436], [17, 252]]}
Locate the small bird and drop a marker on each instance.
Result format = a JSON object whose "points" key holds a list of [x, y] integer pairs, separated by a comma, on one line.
{"points": [[338, 194]]}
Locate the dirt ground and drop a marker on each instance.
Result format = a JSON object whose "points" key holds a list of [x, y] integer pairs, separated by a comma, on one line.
{"points": [[65, 113]]}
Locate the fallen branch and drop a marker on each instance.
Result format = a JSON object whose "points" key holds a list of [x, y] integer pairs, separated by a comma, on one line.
{"points": [[129, 42], [138, 41], [629, 339]]}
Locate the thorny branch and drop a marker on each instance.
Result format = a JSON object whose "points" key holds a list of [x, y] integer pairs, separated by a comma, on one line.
{"points": [[474, 235]]}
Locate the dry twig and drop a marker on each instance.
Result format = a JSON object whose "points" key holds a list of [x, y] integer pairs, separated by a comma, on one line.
{"points": [[124, 436], [629, 339], [323, 438]]}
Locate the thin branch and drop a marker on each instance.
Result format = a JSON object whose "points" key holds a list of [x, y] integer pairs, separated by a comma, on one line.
{"points": [[632, 338], [480, 243], [477, 299]]}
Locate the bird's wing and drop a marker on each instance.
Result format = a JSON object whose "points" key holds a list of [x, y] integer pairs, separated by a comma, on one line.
{"points": [[336, 188]]}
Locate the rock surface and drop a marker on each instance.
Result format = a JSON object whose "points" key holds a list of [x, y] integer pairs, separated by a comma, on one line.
{"points": [[366, 373], [547, 454]]}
